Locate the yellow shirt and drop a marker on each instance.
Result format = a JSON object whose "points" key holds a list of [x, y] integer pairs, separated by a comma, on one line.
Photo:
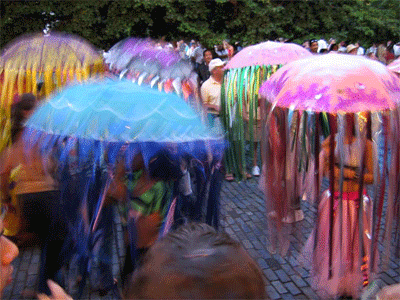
{"points": [[32, 176], [211, 94]]}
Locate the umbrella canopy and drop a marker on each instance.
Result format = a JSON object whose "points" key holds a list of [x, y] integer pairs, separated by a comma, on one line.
{"points": [[54, 59], [117, 113], [49, 61], [120, 55], [333, 83], [94, 126], [267, 53], [337, 97], [146, 62], [244, 74], [395, 66]]}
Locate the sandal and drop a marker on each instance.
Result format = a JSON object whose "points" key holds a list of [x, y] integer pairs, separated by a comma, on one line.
{"points": [[229, 177]]}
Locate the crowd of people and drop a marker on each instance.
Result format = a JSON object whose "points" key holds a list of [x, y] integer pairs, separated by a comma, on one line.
{"points": [[385, 52], [194, 261], [207, 62]]}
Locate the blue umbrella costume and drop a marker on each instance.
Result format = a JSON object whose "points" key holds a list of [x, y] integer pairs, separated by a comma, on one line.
{"points": [[146, 62], [91, 127]]}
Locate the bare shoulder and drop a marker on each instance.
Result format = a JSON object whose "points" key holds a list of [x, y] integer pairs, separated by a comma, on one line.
{"points": [[326, 143]]}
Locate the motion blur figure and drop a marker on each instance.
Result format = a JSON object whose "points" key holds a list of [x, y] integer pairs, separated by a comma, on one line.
{"points": [[36, 190]]}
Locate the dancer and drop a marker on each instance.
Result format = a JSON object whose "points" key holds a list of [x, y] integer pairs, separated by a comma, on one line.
{"points": [[144, 194], [340, 269]]}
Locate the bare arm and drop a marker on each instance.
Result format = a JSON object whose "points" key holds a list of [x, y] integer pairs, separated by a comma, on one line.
{"points": [[117, 189]]}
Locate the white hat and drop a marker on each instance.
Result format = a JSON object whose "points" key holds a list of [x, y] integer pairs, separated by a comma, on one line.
{"points": [[350, 48], [216, 62], [322, 44]]}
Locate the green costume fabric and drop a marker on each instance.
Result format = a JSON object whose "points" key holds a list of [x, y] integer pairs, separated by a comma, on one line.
{"points": [[155, 199]]}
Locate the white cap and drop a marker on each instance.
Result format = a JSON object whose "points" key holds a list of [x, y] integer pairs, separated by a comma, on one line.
{"points": [[322, 44], [216, 62]]}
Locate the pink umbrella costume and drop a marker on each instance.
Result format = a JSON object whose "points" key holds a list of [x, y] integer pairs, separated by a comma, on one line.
{"points": [[240, 108], [353, 102]]}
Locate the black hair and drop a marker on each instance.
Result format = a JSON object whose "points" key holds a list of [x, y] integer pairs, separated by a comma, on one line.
{"points": [[39, 86], [23, 103], [162, 166], [212, 52], [197, 262], [333, 47]]}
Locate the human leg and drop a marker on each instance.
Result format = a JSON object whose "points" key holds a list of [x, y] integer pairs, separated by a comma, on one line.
{"points": [[213, 205], [105, 250], [256, 169], [50, 259]]}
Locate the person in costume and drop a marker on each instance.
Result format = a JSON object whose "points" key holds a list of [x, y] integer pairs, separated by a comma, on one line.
{"points": [[144, 194], [36, 192], [347, 272]]}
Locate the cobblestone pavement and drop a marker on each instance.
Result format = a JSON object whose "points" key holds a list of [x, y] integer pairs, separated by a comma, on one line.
{"points": [[243, 218]]}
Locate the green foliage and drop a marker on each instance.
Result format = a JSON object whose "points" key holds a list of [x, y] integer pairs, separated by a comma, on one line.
{"points": [[104, 22]]}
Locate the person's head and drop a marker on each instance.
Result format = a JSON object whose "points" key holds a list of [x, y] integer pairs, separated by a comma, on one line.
{"points": [[137, 162], [351, 49], [216, 67], [226, 44], [162, 166], [314, 46], [219, 47], [196, 261], [322, 44], [8, 252], [207, 56], [333, 48], [23, 106], [372, 55]]}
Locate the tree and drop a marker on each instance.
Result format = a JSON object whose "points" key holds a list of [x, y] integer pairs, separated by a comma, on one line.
{"points": [[104, 22]]}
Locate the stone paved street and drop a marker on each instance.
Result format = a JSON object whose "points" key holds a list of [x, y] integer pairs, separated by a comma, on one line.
{"points": [[243, 218]]}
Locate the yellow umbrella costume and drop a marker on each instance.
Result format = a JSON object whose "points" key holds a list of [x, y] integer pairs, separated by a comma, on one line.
{"points": [[52, 60]]}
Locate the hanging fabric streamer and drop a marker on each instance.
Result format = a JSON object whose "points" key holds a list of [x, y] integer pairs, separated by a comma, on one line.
{"points": [[350, 115], [244, 74], [32, 58]]}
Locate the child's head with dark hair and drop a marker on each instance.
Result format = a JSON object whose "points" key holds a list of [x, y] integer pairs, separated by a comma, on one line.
{"points": [[195, 261]]}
